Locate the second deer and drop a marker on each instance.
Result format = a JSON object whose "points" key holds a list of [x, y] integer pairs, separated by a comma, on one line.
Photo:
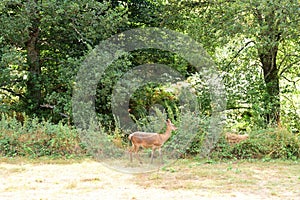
{"points": [[150, 140]]}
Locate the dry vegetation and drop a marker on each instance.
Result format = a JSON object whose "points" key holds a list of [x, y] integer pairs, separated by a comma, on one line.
{"points": [[86, 179]]}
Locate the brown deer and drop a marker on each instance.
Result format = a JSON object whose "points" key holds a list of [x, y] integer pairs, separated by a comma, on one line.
{"points": [[233, 138], [150, 140]]}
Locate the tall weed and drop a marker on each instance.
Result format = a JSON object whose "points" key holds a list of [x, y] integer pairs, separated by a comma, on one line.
{"points": [[36, 138]]}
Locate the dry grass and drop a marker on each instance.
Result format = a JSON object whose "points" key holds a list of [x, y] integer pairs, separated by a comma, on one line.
{"points": [[269, 179], [186, 179]]}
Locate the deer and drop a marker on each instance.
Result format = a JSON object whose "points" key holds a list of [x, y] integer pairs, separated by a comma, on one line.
{"points": [[150, 140], [233, 138]]}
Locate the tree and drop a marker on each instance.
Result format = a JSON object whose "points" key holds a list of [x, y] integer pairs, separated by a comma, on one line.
{"points": [[270, 27], [141, 12], [42, 44]]}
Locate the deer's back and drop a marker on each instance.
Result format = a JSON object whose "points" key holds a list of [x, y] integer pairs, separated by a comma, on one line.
{"points": [[145, 139]]}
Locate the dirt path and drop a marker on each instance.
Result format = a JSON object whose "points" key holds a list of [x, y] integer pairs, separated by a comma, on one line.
{"points": [[91, 180]]}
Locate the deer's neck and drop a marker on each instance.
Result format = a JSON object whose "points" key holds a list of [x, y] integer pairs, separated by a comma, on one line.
{"points": [[166, 135]]}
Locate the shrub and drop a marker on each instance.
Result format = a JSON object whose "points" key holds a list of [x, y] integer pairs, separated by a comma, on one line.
{"points": [[36, 138], [265, 144]]}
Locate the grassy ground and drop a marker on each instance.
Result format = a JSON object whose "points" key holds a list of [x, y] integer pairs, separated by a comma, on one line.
{"points": [[272, 179], [186, 179]]}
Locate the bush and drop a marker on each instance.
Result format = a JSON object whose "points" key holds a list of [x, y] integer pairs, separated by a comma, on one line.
{"points": [[265, 144], [36, 138]]}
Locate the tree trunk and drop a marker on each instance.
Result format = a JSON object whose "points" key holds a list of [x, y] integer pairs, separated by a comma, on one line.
{"points": [[33, 94], [271, 78], [269, 39]]}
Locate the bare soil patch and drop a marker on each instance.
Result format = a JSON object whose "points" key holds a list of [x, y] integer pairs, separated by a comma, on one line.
{"points": [[185, 179]]}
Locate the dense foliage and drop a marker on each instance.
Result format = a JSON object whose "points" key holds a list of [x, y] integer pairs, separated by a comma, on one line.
{"points": [[255, 45], [42, 44]]}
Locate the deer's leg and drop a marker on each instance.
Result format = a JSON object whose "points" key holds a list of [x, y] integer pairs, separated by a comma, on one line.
{"points": [[160, 155], [136, 153], [152, 154], [130, 152]]}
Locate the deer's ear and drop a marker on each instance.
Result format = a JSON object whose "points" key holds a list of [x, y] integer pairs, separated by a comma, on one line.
{"points": [[168, 121]]}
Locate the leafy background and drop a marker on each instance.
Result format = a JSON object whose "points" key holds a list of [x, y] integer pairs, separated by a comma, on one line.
{"points": [[255, 45]]}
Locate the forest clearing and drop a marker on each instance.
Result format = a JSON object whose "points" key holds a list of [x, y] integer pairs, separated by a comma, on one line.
{"points": [[186, 179], [213, 87]]}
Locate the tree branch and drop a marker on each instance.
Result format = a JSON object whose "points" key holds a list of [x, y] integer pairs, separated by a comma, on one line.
{"points": [[12, 92], [239, 51], [3, 84], [289, 66], [291, 81], [239, 107], [82, 38], [293, 106]]}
